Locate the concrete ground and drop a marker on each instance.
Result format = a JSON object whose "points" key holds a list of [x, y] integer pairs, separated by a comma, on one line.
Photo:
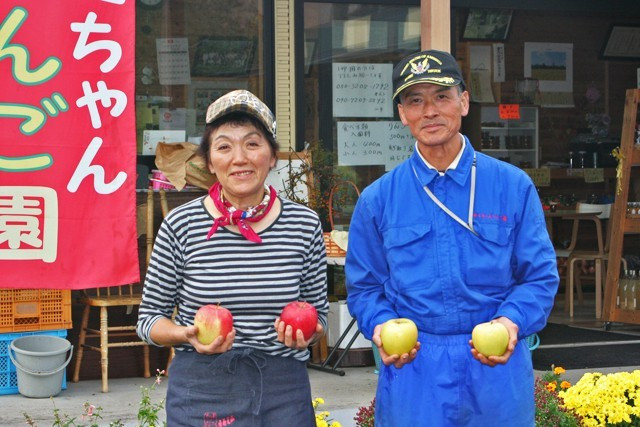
{"points": [[343, 395]]}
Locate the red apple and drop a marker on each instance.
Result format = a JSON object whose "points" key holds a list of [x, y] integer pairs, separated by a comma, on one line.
{"points": [[300, 315], [212, 321]]}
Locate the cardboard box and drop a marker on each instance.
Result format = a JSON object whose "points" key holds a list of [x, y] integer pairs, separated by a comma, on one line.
{"points": [[339, 319]]}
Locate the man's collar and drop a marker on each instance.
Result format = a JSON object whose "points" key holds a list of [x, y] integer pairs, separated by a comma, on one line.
{"points": [[458, 170], [453, 164]]}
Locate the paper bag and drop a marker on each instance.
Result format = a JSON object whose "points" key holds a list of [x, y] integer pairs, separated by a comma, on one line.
{"points": [[181, 165]]}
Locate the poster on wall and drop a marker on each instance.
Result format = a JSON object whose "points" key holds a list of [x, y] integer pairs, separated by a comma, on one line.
{"points": [[67, 145], [551, 64], [480, 64], [362, 90], [499, 73]]}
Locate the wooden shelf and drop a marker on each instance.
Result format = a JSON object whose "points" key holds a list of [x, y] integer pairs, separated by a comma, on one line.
{"points": [[635, 156], [507, 150], [627, 316], [632, 226], [621, 224], [566, 173]]}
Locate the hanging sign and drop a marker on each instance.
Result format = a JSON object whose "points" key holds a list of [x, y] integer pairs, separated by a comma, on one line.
{"points": [[509, 111], [541, 177], [67, 144]]}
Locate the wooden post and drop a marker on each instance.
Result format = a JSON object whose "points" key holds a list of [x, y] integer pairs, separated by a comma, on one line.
{"points": [[435, 19]]}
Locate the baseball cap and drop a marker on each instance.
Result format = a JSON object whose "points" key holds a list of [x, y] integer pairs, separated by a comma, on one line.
{"points": [[429, 66], [244, 101]]}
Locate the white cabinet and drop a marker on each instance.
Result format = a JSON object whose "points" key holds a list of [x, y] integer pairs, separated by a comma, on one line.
{"points": [[512, 140]]}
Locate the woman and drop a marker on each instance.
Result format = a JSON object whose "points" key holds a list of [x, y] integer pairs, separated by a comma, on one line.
{"points": [[252, 252]]}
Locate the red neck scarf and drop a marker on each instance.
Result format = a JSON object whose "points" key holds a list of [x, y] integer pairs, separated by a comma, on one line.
{"points": [[233, 216]]}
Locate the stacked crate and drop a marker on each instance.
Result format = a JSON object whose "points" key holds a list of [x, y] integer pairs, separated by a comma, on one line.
{"points": [[29, 312]]}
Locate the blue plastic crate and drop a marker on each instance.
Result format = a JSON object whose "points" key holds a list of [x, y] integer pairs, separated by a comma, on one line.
{"points": [[8, 376]]}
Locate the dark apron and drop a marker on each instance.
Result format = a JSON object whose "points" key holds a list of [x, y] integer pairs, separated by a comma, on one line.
{"points": [[239, 388]]}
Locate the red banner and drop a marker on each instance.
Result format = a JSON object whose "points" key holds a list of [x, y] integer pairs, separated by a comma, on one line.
{"points": [[67, 144]]}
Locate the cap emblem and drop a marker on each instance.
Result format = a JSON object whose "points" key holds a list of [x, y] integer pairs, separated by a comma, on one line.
{"points": [[420, 67]]}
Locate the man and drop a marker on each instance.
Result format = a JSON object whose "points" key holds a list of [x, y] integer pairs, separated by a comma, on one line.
{"points": [[449, 239]]}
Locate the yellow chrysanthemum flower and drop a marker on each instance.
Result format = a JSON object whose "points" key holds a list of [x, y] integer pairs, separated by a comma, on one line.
{"points": [[604, 399], [322, 417]]}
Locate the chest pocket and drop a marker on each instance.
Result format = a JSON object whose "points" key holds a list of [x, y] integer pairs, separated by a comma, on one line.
{"points": [[407, 250], [488, 257]]}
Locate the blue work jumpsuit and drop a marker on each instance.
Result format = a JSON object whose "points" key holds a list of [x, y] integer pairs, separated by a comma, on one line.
{"points": [[408, 258]]}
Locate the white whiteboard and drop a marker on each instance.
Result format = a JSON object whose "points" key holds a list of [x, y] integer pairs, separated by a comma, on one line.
{"points": [[385, 143], [362, 90]]}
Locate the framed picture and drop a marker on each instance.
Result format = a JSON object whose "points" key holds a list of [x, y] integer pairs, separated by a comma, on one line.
{"points": [[203, 92], [217, 56], [551, 64], [309, 54], [623, 42], [487, 24]]}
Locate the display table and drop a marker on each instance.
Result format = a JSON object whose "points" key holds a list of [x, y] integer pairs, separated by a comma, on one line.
{"points": [[566, 214], [335, 260]]}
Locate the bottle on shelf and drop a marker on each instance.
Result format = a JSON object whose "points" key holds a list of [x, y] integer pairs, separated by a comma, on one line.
{"points": [[581, 159], [631, 288], [622, 290], [636, 293]]}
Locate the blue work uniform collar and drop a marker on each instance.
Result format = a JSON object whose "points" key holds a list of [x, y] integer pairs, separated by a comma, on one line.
{"points": [[459, 175]]}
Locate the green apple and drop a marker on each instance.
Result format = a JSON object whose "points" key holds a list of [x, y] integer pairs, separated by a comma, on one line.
{"points": [[490, 338], [398, 336]]}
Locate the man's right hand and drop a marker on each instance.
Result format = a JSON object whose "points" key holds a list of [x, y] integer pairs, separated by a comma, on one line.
{"points": [[397, 360]]}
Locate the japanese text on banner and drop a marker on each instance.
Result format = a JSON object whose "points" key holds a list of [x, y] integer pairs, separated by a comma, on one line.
{"points": [[67, 144]]}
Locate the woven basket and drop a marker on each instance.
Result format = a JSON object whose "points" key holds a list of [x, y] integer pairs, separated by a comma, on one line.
{"points": [[333, 250]]}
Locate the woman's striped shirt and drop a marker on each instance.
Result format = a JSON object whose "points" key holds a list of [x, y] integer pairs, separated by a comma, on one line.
{"points": [[254, 281]]}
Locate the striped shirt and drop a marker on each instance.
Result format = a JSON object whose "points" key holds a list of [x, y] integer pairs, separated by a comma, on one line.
{"points": [[254, 281]]}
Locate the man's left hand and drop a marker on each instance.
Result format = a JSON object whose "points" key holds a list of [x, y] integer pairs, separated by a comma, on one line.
{"points": [[513, 341]]}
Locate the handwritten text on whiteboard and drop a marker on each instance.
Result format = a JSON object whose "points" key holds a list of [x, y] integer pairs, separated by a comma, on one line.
{"points": [[373, 143], [362, 90]]}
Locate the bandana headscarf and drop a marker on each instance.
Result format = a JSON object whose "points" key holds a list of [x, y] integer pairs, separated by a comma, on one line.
{"points": [[233, 216]]}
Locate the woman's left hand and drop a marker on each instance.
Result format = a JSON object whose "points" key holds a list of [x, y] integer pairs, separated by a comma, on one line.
{"points": [[285, 335]]}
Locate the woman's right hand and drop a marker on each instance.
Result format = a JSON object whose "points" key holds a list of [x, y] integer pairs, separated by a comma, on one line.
{"points": [[219, 345]]}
